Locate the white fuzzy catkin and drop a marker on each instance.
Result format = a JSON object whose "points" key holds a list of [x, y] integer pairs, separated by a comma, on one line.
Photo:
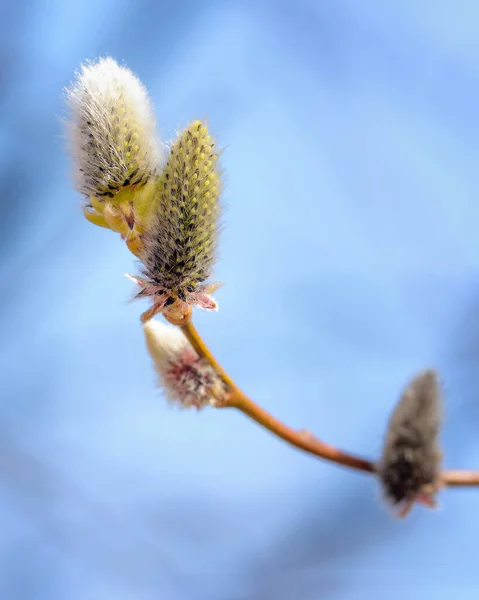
{"points": [[112, 131], [187, 380]]}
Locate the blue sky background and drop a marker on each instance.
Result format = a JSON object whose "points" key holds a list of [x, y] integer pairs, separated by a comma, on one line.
{"points": [[351, 261]]}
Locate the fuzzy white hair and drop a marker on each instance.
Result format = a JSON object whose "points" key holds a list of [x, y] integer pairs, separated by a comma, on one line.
{"points": [[187, 380], [112, 131]]}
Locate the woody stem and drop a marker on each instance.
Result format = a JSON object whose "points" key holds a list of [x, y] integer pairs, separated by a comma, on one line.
{"points": [[300, 439]]}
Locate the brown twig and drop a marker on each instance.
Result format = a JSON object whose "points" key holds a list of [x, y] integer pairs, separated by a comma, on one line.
{"points": [[300, 439], [460, 478], [202, 349]]}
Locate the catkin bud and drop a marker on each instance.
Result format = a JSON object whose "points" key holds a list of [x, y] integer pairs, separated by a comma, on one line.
{"points": [[410, 465], [114, 145], [188, 381], [179, 243]]}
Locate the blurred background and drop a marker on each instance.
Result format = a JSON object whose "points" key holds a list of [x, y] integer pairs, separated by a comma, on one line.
{"points": [[350, 260]]}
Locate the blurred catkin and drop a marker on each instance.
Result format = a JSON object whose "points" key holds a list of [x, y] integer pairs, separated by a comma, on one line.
{"points": [[113, 141], [411, 458], [187, 380], [179, 244]]}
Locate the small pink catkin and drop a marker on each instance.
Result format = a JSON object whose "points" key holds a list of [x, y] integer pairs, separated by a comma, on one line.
{"points": [[411, 459], [187, 380]]}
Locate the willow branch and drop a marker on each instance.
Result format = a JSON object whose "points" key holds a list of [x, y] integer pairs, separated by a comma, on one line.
{"points": [[202, 349], [460, 478], [301, 439]]}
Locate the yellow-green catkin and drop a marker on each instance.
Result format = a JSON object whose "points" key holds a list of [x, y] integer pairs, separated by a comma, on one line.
{"points": [[113, 141], [179, 246]]}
